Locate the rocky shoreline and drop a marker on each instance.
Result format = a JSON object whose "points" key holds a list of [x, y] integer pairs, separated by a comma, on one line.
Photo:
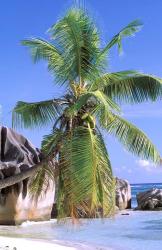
{"points": [[150, 200], [123, 194]]}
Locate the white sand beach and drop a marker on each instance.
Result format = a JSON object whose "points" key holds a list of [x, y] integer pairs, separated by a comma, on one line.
{"points": [[7, 243]]}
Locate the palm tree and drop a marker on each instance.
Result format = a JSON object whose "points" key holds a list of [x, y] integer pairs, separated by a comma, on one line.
{"points": [[91, 104]]}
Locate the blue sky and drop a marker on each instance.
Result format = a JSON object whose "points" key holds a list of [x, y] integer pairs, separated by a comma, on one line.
{"points": [[20, 79]]}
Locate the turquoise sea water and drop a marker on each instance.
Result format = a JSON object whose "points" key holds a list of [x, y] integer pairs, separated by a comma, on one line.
{"points": [[140, 230]]}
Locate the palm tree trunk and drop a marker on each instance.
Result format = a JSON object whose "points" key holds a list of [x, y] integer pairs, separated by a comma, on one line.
{"points": [[9, 181]]}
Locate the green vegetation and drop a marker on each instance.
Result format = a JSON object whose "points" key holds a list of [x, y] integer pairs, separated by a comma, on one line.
{"points": [[78, 61]]}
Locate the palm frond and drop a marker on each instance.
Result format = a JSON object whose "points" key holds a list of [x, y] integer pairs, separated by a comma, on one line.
{"points": [[44, 50], [127, 31], [97, 98], [50, 142], [131, 86], [41, 181], [105, 101], [107, 78], [77, 38], [84, 161], [30, 115], [106, 183], [133, 139]]}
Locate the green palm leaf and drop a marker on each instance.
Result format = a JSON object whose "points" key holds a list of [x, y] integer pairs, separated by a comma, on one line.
{"points": [[130, 86], [133, 139], [51, 142], [105, 101], [95, 98], [106, 183], [129, 30], [42, 49], [78, 40], [41, 181], [83, 162], [30, 115]]}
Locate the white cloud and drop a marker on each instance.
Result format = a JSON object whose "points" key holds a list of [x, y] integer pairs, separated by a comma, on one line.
{"points": [[147, 165], [123, 169], [143, 163]]}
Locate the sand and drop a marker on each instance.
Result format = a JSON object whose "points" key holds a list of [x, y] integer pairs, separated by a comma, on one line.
{"points": [[26, 244]]}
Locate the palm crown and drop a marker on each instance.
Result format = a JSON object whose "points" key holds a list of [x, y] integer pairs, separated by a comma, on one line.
{"points": [[91, 104]]}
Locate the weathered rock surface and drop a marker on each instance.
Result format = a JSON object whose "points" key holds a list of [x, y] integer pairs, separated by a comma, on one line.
{"points": [[123, 194], [17, 154], [150, 200]]}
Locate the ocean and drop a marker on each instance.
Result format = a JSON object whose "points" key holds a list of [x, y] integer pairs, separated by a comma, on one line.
{"points": [[140, 230]]}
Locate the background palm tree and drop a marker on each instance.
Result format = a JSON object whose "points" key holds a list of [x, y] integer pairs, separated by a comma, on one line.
{"points": [[91, 104]]}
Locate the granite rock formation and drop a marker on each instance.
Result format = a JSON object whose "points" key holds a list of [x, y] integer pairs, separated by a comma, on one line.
{"points": [[123, 194], [150, 200], [17, 154]]}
